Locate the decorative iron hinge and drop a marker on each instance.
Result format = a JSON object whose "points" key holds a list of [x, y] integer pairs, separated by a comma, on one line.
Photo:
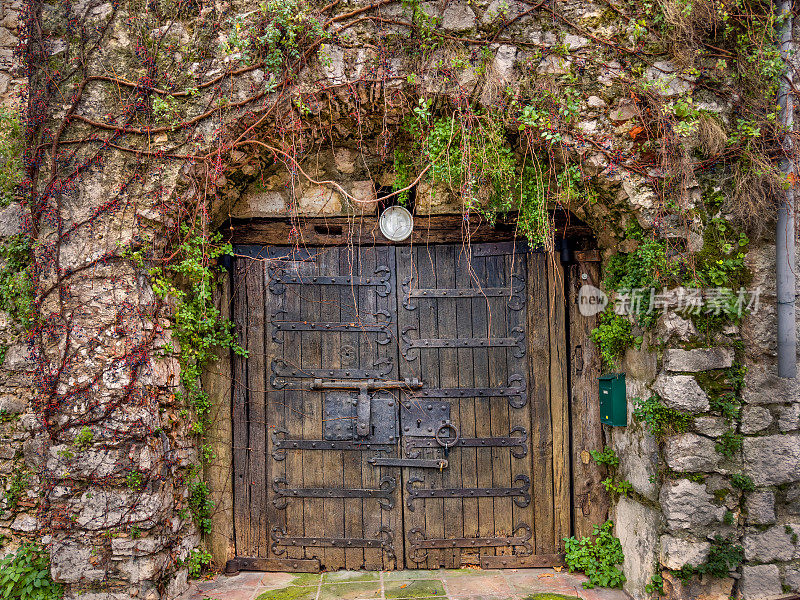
{"points": [[383, 495], [519, 494], [410, 345], [514, 293], [517, 443], [516, 394], [281, 371], [279, 326], [280, 445], [280, 540], [279, 279], [417, 463], [419, 546]]}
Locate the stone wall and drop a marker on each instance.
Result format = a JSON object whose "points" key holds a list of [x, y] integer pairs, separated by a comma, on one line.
{"points": [[96, 363]]}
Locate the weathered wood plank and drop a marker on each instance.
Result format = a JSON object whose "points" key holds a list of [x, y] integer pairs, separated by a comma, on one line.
{"points": [[590, 500], [559, 401], [541, 454], [241, 489]]}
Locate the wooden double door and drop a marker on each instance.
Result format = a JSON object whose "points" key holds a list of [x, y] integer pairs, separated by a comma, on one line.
{"points": [[400, 407]]}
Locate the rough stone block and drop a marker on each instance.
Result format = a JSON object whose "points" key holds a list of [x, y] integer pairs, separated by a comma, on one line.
{"points": [[69, 563], [792, 578], [762, 386], [686, 504], [458, 17], [690, 453], [771, 545], [138, 547], [100, 508], [710, 426], [698, 359], [772, 459], [676, 552], [19, 358], [637, 528], [12, 220], [760, 508], [755, 419], [25, 523], [789, 418], [759, 581], [681, 392]]}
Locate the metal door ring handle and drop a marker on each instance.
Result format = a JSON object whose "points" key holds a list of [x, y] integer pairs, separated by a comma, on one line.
{"points": [[447, 442]]}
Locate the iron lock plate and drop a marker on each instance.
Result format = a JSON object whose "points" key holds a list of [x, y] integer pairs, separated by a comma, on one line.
{"points": [[341, 412], [423, 418]]}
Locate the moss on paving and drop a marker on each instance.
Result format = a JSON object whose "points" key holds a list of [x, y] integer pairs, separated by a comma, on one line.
{"points": [[292, 592], [421, 588]]}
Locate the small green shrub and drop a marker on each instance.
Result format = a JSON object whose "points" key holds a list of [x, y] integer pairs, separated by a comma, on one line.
{"points": [[724, 556], [25, 575], [200, 504], [16, 285], [197, 561], [613, 336], [84, 439], [11, 145], [16, 484], [617, 488], [597, 557], [659, 419], [607, 457], [656, 585], [743, 482], [134, 481], [729, 444]]}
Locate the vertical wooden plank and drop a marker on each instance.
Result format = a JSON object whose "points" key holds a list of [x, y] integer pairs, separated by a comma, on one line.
{"points": [[332, 516], [541, 449], [275, 409], [464, 409], [241, 488], [448, 378], [392, 519], [368, 352], [294, 403], [590, 500], [256, 384], [559, 400], [311, 302], [483, 421], [516, 271], [351, 311], [502, 476]]}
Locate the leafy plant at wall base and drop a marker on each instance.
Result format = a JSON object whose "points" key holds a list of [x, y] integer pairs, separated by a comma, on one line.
{"points": [[659, 419], [656, 585], [16, 488], [197, 561], [597, 556], [25, 575], [612, 336], [11, 144]]}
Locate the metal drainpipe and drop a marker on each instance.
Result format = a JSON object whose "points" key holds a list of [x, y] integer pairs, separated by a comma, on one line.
{"points": [[785, 229]]}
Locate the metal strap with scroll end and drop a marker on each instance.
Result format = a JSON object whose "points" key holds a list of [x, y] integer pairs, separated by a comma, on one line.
{"points": [[280, 541], [279, 279], [279, 325], [281, 371], [519, 494], [281, 444], [410, 345], [383, 494], [419, 546], [517, 443], [417, 463], [515, 392], [514, 293]]}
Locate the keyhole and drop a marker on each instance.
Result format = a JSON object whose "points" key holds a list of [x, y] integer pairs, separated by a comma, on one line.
{"points": [[419, 423]]}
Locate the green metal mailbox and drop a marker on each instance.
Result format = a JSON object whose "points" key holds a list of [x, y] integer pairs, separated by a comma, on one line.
{"points": [[613, 401]]}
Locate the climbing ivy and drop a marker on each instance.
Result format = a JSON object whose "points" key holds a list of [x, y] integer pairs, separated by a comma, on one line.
{"points": [[659, 419]]}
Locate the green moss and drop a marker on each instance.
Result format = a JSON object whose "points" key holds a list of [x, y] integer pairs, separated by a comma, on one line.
{"points": [[290, 593], [549, 596], [422, 588]]}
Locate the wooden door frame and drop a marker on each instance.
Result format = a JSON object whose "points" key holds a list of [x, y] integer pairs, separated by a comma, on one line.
{"points": [[571, 379]]}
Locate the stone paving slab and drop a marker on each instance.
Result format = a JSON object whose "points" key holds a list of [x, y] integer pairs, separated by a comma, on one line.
{"points": [[456, 584]]}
